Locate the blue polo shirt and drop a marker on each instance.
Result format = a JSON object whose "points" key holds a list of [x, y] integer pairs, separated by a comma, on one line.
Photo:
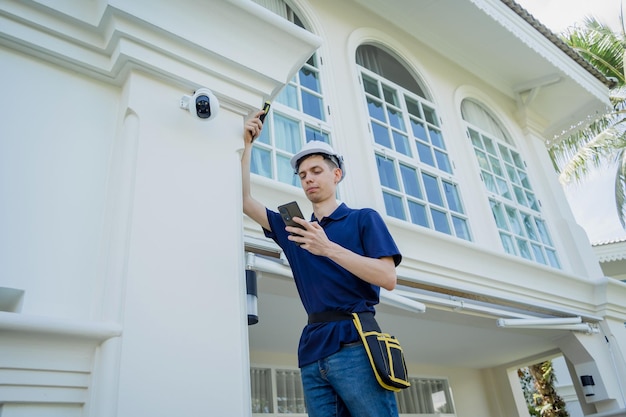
{"points": [[323, 285]]}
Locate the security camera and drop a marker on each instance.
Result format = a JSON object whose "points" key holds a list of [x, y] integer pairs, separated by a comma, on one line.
{"points": [[202, 104]]}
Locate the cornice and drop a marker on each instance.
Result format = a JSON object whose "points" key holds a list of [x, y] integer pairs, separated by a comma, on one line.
{"points": [[107, 42]]}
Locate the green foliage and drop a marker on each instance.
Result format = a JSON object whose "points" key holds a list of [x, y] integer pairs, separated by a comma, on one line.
{"points": [[601, 141], [541, 397]]}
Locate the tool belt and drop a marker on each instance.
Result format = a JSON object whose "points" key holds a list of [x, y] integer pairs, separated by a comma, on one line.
{"points": [[383, 350]]}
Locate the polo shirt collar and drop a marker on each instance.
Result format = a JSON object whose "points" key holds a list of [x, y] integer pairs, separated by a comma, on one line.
{"points": [[340, 212]]}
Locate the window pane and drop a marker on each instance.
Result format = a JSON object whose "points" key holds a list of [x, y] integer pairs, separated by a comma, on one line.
{"points": [[524, 251], [390, 95], [375, 109], [261, 162], [507, 243], [440, 219], [430, 116], [261, 390], [395, 119], [312, 105], [425, 396], [490, 146], [482, 160], [402, 143], [432, 189], [381, 135], [287, 134], [460, 228], [370, 86], [308, 79], [496, 168], [552, 258], [424, 152], [516, 227], [543, 232], [387, 173], [393, 206], [418, 130], [538, 254], [289, 392], [452, 197], [443, 163], [475, 137], [289, 97], [490, 182], [410, 181], [529, 226], [312, 133], [498, 215], [413, 107], [418, 214], [436, 139], [285, 171]]}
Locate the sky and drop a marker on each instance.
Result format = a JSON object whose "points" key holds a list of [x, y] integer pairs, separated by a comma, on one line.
{"points": [[592, 202]]}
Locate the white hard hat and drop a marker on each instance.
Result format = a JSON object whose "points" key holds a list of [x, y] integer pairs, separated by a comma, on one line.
{"points": [[318, 147]]}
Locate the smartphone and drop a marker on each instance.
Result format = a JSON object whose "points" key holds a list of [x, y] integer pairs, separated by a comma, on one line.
{"points": [[266, 109], [288, 212]]}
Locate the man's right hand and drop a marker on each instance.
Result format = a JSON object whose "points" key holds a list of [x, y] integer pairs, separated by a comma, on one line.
{"points": [[252, 128]]}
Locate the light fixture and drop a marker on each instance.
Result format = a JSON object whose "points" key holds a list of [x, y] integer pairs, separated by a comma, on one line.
{"points": [[588, 384], [252, 297]]}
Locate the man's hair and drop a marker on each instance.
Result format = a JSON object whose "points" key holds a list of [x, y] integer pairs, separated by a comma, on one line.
{"points": [[331, 161]]}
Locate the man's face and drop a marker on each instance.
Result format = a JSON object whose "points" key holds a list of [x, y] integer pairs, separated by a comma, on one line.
{"points": [[318, 179]]}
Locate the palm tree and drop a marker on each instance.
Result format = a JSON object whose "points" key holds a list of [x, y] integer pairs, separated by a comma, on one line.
{"points": [[603, 140]]}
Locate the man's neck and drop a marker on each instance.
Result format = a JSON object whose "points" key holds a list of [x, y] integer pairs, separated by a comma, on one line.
{"points": [[325, 208]]}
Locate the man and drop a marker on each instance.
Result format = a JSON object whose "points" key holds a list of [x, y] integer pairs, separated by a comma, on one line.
{"points": [[339, 262]]}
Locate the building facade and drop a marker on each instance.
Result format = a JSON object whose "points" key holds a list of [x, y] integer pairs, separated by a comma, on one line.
{"points": [[124, 251]]}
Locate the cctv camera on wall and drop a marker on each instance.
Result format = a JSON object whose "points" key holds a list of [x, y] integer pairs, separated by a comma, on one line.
{"points": [[202, 105]]}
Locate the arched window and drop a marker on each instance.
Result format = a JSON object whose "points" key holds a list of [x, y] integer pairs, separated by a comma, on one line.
{"points": [[515, 207], [415, 170], [298, 115]]}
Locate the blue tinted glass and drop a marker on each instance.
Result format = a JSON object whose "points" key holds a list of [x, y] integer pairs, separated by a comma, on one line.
{"points": [[309, 79], [432, 189], [312, 105], [285, 171], [411, 184], [289, 97], [436, 138], [395, 119], [425, 154], [265, 133], [418, 214], [443, 163], [375, 109], [552, 258], [440, 221], [418, 130], [393, 206], [402, 143], [381, 135], [312, 133], [287, 134], [452, 197], [460, 228], [538, 254], [430, 116], [261, 162], [387, 173], [507, 242], [524, 250]]}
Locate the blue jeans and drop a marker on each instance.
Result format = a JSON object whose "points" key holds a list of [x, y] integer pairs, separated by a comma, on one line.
{"points": [[344, 385]]}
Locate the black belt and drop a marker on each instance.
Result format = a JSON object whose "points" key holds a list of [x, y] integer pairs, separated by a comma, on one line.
{"points": [[326, 316]]}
